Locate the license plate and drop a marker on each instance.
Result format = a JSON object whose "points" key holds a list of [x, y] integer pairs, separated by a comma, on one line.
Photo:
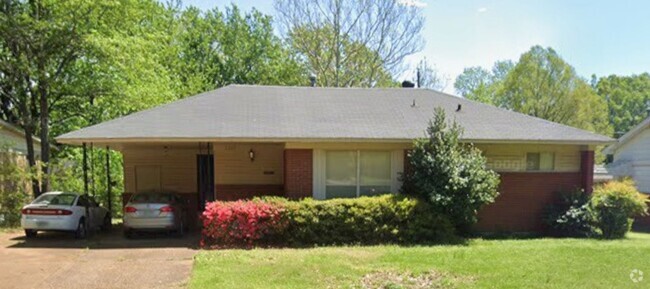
{"points": [[41, 223]]}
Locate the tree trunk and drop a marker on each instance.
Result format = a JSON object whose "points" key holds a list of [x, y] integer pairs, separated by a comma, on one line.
{"points": [[45, 141], [31, 158]]}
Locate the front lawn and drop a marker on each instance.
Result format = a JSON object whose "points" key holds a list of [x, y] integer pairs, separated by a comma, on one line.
{"points": [[535, 263]]}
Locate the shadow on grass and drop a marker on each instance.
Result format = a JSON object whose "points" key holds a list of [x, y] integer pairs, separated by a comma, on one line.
{"points": [[106, 240]]}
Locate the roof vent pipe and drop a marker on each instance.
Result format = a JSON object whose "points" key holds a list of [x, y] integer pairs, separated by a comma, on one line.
{"points": [[408, 84]]}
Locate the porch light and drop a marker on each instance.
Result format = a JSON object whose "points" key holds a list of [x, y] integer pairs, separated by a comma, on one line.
{"points": [[251, 155]]}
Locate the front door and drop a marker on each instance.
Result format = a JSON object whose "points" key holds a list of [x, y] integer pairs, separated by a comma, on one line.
{"points": [[205, 179]]}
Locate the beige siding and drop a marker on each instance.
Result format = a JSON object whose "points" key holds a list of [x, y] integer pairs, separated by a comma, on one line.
{"points": [[174, 168], [233, 165], [512, 157]]}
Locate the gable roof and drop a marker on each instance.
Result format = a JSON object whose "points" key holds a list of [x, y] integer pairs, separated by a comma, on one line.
{"points": [[628, 136], [278, 113]]}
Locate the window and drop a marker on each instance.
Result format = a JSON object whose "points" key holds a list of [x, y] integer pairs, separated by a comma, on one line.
{"points": [[540, 161], [351, 174]]}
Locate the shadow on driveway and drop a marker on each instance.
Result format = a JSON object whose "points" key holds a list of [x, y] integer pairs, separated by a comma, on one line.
{"points": [[107, 240]]}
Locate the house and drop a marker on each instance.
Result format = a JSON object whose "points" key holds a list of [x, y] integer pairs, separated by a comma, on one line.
{"points": [[241, 141], [630, 156], [13, 138]]}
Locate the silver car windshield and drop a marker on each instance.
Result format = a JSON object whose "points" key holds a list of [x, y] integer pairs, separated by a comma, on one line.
{"points": [[60, 199]]}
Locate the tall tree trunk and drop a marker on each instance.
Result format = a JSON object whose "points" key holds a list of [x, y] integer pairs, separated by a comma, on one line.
{"points": [[45, 141], [31, 158]]}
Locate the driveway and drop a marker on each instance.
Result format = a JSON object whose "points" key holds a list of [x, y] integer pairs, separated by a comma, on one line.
{"points": [[106, 260]]}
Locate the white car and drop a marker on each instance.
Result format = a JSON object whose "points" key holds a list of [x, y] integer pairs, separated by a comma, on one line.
{"points": [[59, 211]]}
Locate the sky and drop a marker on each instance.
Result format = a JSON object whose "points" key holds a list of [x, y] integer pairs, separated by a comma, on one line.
{"points": [[595, 37]]}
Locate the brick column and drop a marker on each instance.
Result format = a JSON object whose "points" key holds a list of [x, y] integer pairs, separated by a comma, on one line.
{"points": [[298, 173], [587, 170]]}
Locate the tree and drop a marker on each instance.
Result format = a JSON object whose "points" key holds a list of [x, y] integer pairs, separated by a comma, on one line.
{"points": [[218, 48], [428, 77], [451, 175], [628, 98], [542, 84], [39, 42], [351, 43], [477, 83]]}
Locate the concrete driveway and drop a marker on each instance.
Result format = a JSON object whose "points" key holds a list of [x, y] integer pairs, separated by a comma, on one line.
{"points": [[106, 260]]}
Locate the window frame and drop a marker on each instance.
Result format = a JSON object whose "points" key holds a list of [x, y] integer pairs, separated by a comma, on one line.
{"points": [[358, 153], [539, 161]]}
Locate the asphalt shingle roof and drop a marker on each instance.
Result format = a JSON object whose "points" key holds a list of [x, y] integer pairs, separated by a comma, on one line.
{"points": [[283, 113]]}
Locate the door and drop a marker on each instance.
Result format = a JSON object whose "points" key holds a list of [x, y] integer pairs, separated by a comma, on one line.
{"points": [[205, 179]]}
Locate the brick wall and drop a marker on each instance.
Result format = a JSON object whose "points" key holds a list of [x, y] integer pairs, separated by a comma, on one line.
{"points": [[298, 173], [238, 192], [522, 200], [587, 168]]}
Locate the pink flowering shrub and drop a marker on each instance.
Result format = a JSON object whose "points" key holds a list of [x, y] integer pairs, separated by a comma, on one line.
{"points": [[241, 223]]}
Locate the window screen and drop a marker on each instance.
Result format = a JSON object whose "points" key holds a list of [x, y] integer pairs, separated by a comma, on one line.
{"points": [[374, 173], [341, 174]]}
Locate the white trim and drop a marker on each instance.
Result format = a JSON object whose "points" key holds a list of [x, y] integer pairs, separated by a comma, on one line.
{"points": [[396, 170], [318, 177]]}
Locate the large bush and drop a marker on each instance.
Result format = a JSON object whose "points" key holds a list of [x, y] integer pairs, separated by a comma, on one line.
{"points": [[366, 220], [449, 174], [570, 216], [614, 205]]}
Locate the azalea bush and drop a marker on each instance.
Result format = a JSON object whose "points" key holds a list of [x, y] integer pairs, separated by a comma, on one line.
{"points": [[275, 221], [240, 223]]}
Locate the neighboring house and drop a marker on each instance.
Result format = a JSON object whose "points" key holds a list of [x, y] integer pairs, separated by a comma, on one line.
{"points": [[242, 141], [630, 156], [13, 138]]}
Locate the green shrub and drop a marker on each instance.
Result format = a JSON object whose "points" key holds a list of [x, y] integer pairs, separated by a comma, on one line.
{"points": [[15, 190], [614, 205], [366, 220], [570, 216], [450, 175]]}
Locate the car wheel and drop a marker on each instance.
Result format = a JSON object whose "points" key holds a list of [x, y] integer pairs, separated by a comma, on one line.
{"points": [[107, 224], [31, 233], [81, 231]]}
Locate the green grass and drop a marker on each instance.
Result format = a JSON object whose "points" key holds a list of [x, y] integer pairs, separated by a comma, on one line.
{"points": [[534, 263]]}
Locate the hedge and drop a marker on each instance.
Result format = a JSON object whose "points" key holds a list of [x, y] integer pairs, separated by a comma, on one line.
{"points": [[384, 219]]}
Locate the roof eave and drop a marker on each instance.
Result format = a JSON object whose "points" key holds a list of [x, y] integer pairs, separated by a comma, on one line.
{"points": [[80, 141]]}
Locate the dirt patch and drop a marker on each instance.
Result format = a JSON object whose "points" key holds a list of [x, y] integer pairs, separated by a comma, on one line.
{"points": [[407, 280]]}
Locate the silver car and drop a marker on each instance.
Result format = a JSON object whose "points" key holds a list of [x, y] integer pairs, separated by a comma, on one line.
{"points": [[155, 212]]}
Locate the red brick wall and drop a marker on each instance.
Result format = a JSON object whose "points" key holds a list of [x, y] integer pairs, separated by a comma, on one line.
{"points": [[298, 173], [238, 192], [522, 200]]}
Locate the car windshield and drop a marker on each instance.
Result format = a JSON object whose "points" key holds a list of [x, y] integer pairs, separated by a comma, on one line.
{"points": [[58, 199], [157, 198]]}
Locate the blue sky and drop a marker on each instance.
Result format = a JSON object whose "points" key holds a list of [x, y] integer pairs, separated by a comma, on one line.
{"points": [[595, 37]]}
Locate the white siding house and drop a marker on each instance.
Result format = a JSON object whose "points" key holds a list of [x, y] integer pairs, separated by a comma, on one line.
{"points": [[630, 156]]}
